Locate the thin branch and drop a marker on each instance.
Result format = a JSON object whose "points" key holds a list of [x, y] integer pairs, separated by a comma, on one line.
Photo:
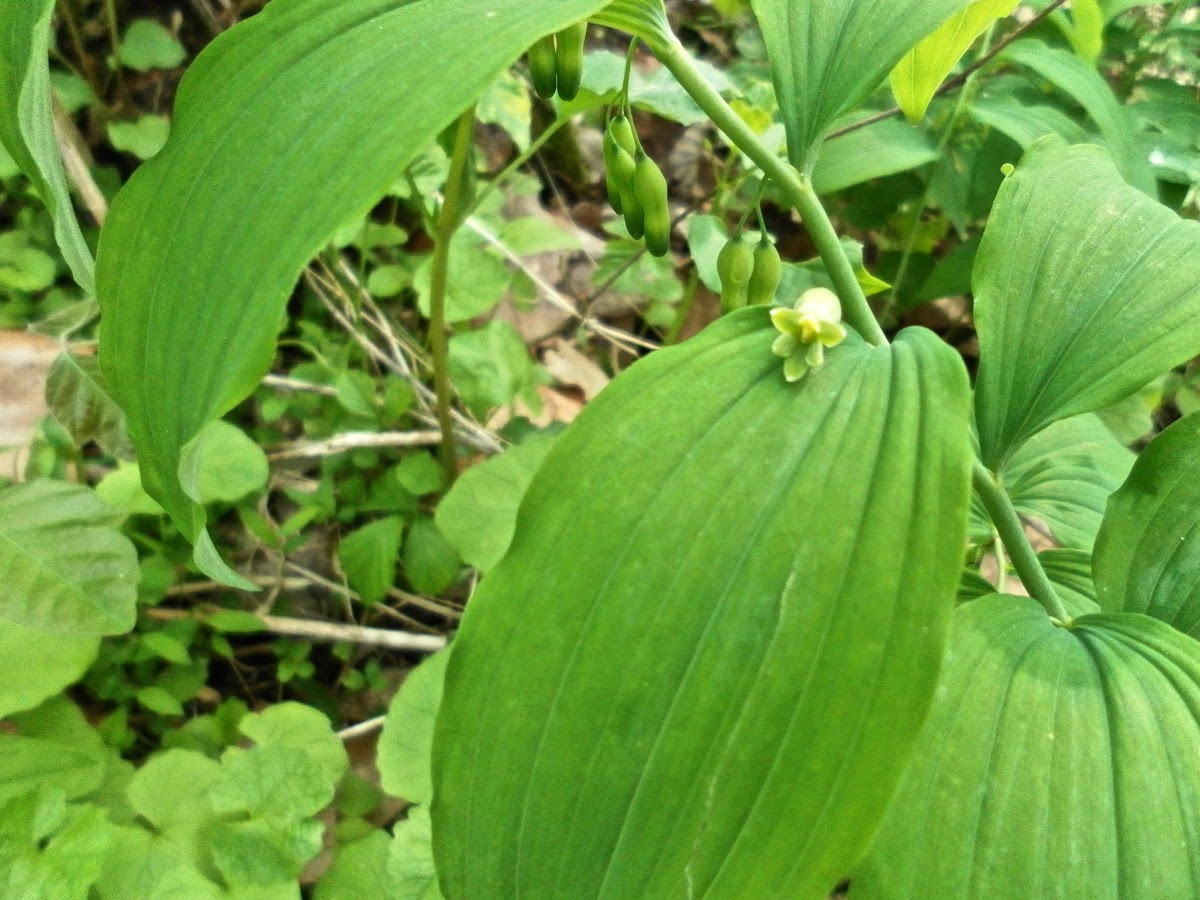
{"points": [[362, 729], [961, 78], [356, 440]]}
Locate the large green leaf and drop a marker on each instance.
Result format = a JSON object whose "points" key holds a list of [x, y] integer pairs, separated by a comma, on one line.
{"points": [[827, 56], [1057, 763], [1147, 557], [64, 565], [710, 567], [27, 123], [923, 69], [1084, 84], [286, 127], [1082, 294]]}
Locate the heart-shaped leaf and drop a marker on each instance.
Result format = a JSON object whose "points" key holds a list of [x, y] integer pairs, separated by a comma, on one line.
{"points": [[1056, 763], [827, 56], [286, 127], [1081, 294], [1148, 552], [710, 568], [27, 123]]}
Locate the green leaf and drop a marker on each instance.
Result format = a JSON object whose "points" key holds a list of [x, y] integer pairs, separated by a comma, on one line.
{"points": [[172, 792], [397, 869], [159, 700], [490, 366], [479, 514], [27, 123], [80, 400], [882, 149], [1085, 85], [300, 727], [673, 629], [1087, 31], [828, 56], [923, 69], [475, 283], [24, 267], [406, 744], [148, 45], [122, 489], [264, 851], [274, 781], [52, 851], [368, 556], [64, 565], [1064, 475], [274, 145], [420, 474], [144, 138], [431, 564], [1147, 558], [150, 867], [1026, 123], [1056, 763], [221, 464], [1070, 571], [1080, 295], [38, 665]]}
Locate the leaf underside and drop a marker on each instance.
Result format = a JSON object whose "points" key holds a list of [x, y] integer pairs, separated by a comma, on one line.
{"points": [[710, 568]]}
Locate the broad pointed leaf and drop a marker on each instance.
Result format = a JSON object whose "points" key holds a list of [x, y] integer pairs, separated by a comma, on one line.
{"points": [[286, 127], [1148, 552], [923, 69], [27, 123], [64, 565], [1057, 763], [38, 664], [80, 400], [1082, 294], [1080, 81], [827, 56], [711, 567]]}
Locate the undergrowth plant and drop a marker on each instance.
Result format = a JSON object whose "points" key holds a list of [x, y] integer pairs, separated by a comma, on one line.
{"points": [[731, 651]]}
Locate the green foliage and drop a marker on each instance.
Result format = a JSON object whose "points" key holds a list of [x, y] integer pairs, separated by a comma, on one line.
{"points": [[923, 69], [1148, 554], [1054, 763], [587, 556], [828, 56], [1069, 320], [66, 568], [713, 612], [277, 186], [27, 124]]}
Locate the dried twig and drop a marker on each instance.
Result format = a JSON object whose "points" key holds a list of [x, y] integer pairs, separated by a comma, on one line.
{"points": [[356, 440]]}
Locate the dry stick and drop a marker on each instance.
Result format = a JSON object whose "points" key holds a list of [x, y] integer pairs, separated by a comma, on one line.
{"points": [[468, 431], [356, 440], [622, 339], [331, 633], [960, 79], [73, 150], [362, 729]]}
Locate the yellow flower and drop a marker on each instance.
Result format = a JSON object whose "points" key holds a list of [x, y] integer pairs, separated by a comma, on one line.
{"points": [[812, 325]]}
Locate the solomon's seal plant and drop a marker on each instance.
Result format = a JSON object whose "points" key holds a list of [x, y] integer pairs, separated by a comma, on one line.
{"points": [[691, 674]]}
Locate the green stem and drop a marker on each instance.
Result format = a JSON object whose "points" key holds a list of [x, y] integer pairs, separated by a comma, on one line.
{"points": [[1020, 551], [685, 307], [447, 223], [796, 189]]}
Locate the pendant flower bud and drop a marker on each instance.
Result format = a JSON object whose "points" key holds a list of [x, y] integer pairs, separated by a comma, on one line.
{"points": [[806, 330]]}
